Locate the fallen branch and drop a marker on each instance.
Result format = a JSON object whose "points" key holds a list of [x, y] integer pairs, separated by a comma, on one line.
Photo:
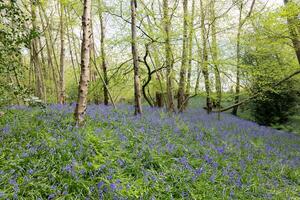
{"points": [[260, 92]]}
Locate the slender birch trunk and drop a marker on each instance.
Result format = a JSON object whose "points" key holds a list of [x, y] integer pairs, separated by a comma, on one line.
{"points": [[81, 105]]}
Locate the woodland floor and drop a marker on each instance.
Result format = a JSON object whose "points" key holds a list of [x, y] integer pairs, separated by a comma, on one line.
{"points": [[157, 156]]}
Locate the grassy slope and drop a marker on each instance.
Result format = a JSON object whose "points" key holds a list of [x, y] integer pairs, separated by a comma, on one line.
{"points": [[116, 155]]}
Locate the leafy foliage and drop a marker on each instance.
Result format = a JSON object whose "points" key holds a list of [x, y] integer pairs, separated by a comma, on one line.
{"points": [[266, 60], [14, 37], [277, 106]]}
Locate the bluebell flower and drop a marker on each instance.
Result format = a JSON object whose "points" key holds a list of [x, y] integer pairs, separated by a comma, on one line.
{"points": [[30, 171], [113, 186], [51, 196], [100, 184]]}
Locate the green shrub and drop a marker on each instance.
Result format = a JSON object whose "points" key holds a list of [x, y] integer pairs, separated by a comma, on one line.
{"points": [[276, 106]]}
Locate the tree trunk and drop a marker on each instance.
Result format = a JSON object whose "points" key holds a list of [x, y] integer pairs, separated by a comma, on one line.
{"points": [[238, 69], [81, 105], [199, 66], [62, 56], [159, 100], [35, 57], [182, 81], [190, 44], [43, 71], [103, 56], [168, 57], [137, 84], [215, 57], [205, 60]]}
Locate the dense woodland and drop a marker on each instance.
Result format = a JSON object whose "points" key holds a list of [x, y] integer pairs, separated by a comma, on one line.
{"points": [[160, 53], [210, 61]]}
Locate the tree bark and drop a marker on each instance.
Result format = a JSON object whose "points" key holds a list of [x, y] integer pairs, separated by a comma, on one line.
{"points": [[238, 69], [103, 56], [205, 60], [62, 56], [190, 44], [238, 52], [215, 56], [137, 84], [35, 56], [81, 105], [43, 69], [182, 81], [168, 57]]}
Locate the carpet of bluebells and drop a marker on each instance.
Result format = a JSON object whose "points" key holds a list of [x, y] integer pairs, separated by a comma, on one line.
{"points": [[155, 156]]}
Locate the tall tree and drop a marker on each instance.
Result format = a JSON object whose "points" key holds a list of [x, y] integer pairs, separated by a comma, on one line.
{"points": [[182, 81], [35, 56], [137, 84], [81, 105], [190, 44], [238, 52], [168, 57], [205, 58], [62, 56], [215, 55], [103, 54]]}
